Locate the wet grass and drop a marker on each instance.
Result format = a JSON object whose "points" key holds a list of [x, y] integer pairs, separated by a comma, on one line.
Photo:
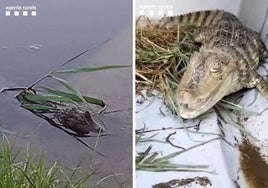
{"points": [[35, 173], [153, 161], [150, 161]]}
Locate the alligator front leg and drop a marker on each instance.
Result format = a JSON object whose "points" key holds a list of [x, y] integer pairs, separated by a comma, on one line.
{"points": [[261, 84], [203, 34]]}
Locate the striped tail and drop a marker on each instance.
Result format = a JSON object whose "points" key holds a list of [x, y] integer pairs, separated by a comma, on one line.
{"points": [[200, 18]]}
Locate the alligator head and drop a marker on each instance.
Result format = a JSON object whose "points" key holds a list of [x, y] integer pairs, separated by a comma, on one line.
{"points": [[209, 77]]}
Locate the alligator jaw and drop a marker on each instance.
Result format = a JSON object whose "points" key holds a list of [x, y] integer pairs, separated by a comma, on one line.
{"points": [[192, 111]]}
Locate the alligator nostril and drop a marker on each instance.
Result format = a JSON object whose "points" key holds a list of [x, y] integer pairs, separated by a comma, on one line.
{"points": [[185, 94], [184, 91]]}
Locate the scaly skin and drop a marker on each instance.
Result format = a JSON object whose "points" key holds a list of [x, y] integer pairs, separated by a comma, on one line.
{"points": [[226, 62]]}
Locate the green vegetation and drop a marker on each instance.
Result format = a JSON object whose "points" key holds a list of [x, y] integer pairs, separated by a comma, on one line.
{"points": [[29, 172], [162, 55], [155, 162]]}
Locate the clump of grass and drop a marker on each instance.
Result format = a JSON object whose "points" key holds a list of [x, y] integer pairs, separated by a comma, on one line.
{"points": [[36, 174], [161, 57], [164, 166], [154, 162], [151, 161]]}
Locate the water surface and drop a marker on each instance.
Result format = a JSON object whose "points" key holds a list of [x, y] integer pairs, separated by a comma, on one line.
{"points": [[63, 29]]}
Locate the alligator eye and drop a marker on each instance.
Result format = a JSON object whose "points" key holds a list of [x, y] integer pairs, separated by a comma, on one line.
{"points": [[215, 67]]}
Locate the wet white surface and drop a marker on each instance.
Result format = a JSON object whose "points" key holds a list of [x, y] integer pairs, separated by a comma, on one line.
{"points": [[223, 159]]}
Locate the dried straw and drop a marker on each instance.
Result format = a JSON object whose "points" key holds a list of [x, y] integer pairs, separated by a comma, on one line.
{"points": [[161, 57]]}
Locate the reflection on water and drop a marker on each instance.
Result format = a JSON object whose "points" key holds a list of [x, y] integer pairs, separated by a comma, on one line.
{"points": [[61, 32]]}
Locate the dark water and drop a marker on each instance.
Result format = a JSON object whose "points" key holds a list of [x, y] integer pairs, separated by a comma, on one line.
{"points": [[63, 29]]}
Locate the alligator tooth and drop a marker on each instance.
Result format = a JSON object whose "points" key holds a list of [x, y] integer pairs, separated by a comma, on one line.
{"points": [[196, 105], [192, 106]]}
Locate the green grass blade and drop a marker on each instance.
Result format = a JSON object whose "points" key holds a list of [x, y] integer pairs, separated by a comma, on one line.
{"points": [[74, 97], [37, 107], [70, 88], [32, 173], [38, 98], [73, 58], [51, 173], [26, 176], [93, 69], [51, 72]]}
